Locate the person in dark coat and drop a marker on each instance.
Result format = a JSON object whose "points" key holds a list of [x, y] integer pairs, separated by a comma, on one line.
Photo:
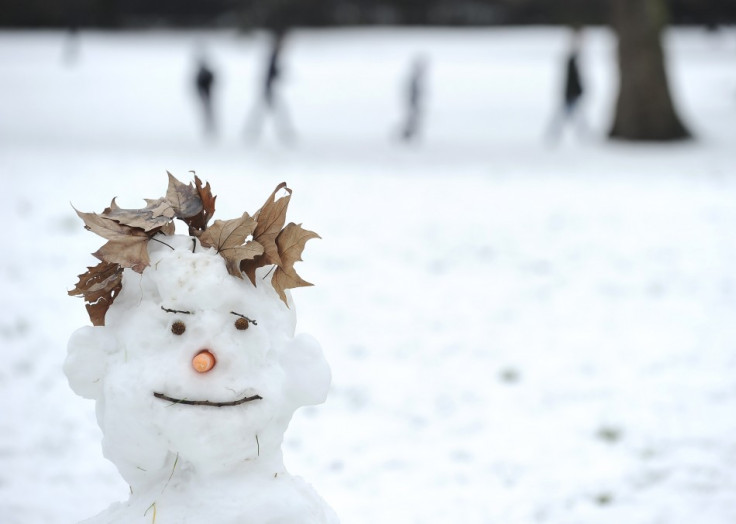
{"points": [[204, 80], [270, 101], [573, 85], [414, 99], [572, 93], [273, 71]]}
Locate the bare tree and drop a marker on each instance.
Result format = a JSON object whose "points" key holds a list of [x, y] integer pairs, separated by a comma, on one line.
{"points": [[644, 109]]}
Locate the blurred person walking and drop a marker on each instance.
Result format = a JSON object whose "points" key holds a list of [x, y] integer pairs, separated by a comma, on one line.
{"points": [[70, 52], [572, 94], [204, 79], [71, 47], [414, 99], [270, 102]]}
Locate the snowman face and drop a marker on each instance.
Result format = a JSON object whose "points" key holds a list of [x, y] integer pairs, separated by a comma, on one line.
{"points": [[197, 363]]}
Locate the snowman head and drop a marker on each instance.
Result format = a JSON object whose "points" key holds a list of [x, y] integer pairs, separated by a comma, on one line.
{"points": [[194, 364]]}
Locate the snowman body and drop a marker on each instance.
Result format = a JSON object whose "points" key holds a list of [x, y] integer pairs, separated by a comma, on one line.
{"points": [[200, 446]]}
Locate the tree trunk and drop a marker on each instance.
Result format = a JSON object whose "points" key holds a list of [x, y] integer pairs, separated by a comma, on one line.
{"points": [[644, 110]]}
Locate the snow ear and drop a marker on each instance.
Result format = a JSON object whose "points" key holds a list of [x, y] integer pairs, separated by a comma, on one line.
{"points": [[86, 361], [307, 372]]}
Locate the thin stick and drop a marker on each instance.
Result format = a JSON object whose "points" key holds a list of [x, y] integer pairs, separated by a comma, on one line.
{"points": [[207, 402], [259, 446], [176, 461], [246, 318], [162, 242], [176, 311], [153, 505]]}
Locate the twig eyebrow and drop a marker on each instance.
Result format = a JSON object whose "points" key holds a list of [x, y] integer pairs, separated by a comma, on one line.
{"points": [[176, 311], [246, 318]]}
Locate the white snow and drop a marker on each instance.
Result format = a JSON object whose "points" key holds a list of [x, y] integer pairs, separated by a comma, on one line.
{"points": [[517, 332]]}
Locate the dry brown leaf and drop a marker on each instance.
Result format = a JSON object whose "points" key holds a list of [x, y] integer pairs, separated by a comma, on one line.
{"points": [[270, 220], [290, 243], [160, 208], [126, 245], [228, 238], [184, 198], [105, 227], [129, 251], [156, 214], [199, 221], [99, 286]]}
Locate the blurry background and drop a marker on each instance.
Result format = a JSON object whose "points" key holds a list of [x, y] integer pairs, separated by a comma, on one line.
{"points": [[115, 14], [526, 281]]}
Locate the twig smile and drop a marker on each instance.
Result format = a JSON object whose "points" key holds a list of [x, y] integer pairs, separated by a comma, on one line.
{"points": [[206, 402]]}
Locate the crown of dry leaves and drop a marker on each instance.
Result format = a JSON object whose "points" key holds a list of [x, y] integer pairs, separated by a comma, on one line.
{"points": [[128, 232]]}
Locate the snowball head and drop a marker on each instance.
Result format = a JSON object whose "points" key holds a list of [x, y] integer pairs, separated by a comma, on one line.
{"points": [[154, 405]]}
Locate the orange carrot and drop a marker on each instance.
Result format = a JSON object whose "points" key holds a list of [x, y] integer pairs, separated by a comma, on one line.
{"points": [[203, 361]]}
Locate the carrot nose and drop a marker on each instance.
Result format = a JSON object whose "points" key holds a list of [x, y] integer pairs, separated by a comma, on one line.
{"points": [[203, 361]]}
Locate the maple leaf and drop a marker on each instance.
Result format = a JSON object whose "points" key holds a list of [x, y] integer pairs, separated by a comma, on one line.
{"points": [[157, 214], [290, 242], [99, 286], [270, 220], [126, 245], [199, 221], [183, 198], [228, 237], [128, 251]]}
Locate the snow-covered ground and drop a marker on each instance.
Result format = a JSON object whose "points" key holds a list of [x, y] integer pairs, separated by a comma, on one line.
{"points": [[518, 332]]}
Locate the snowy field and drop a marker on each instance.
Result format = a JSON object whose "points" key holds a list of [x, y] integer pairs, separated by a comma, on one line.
{"points": [[518, 332]]}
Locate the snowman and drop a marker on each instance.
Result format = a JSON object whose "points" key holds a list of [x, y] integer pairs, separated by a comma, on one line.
{"points": [[193, 361]]}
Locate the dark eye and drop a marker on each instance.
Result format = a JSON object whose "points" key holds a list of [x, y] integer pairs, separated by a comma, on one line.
{"points": [[242, 323], [178, 327]]}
